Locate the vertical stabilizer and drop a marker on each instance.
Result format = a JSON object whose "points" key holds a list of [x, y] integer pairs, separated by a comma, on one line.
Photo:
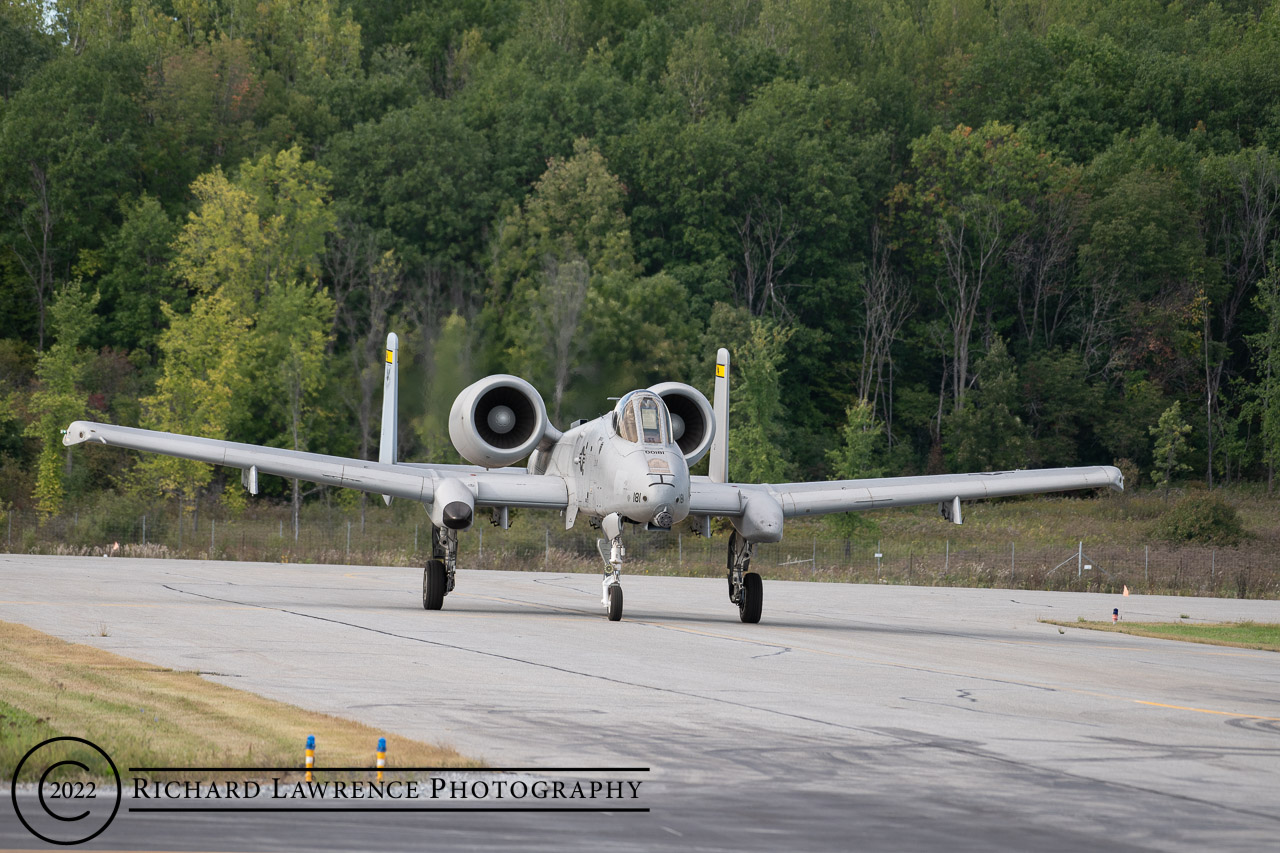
{"points": [[719, 457], [387, 450]]}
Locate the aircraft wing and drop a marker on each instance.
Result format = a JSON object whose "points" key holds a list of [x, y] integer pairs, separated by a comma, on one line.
{"points": [[818, 498], [491, 488]]}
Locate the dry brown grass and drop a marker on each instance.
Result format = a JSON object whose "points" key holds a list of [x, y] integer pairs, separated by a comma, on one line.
{"points": [[147, 716]]}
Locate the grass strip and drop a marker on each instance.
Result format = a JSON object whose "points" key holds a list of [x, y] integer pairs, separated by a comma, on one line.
{"points": [[1240, 635], [148, 716]]}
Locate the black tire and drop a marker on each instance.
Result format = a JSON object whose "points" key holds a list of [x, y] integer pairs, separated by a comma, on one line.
{"points": [[434, 581], [752, 601], [615, 602]]}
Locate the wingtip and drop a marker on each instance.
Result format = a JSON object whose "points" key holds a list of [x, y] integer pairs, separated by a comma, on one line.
{"points": [[77, 433]]}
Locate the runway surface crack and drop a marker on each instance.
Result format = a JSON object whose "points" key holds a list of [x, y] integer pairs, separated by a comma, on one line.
{"points": [[533, 663]]}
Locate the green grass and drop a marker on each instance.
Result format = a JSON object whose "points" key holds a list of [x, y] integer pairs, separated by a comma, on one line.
{"points": [[148, 716], [1021, 543], [1242, 635]]}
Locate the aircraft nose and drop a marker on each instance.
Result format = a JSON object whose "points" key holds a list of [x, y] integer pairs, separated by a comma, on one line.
{"points": [[665, 503]]}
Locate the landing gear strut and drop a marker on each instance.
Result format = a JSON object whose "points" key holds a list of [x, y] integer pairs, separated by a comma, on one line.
{"points": [[438, 576], [745, 587], [611, 589]]}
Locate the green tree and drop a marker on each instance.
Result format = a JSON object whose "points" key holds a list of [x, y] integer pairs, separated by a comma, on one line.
{"points": [[24, 44], [697, 73], [71, 144], [1062, 408], [135, 279], [200, 373], [756, 434], [857, 457], [972, 193], [60, 395], [290, 336], [1265, 348], [553, 255], [251, 349], [1124, 430], [1170, 434], [422, 176], [988, 434]]}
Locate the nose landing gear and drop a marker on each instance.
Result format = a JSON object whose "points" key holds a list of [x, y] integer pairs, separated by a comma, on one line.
{"points": [[611, 589]]}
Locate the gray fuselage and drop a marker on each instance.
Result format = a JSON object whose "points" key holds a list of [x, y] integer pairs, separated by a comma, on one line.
{"points": [[610, 467]]}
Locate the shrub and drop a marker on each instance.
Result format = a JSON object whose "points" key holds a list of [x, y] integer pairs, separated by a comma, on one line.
{"points": [[1204, 518]]}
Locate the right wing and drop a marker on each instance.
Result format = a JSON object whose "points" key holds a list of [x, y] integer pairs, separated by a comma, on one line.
{"points": [[502, 487]]}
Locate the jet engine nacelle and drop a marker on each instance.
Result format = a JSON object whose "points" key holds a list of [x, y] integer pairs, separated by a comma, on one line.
{"points": [[498, 421], [693, 423]]}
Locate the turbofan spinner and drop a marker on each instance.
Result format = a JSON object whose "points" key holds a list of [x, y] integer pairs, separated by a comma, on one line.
{"points": [[693, 424], [498, 421]]}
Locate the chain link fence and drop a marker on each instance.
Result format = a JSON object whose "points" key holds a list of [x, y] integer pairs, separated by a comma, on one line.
{"points": [[539, 544]]}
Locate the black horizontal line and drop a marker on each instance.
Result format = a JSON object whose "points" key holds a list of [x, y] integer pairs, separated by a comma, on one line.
{"points": [[314, 809], [389, 769]]}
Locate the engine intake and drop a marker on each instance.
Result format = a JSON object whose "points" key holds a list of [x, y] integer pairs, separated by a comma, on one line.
{"points": [[498, 421], [693, 424]]}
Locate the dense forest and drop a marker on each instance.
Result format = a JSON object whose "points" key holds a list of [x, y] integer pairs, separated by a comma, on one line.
{"points": [[935, 234]]}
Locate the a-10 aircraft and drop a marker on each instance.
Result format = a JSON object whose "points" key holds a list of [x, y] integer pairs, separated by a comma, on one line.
{"points": [[628, 466]]}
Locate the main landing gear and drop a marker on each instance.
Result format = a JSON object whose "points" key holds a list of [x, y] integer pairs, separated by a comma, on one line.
{"points": [[438, 576], [745, 587]]}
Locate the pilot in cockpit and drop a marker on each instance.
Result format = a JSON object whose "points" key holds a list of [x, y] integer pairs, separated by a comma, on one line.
{"points": [[643, 420]]}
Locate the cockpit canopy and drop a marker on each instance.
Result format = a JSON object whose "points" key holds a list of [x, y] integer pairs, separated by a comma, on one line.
{"points": [[642, 418]]}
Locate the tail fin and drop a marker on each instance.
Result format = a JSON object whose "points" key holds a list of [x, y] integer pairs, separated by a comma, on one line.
{"points": [[719, 458], [387, 450]]}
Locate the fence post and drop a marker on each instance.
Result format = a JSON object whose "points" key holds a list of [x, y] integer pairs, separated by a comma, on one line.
{"points": [[415, 538], [480, 535], [1080, 560], [1213, 564], [946, 567], [546, 556], [144, 528], [348, 539], [679, 549], [1012, 549], [213, 531], [1146, 564]]}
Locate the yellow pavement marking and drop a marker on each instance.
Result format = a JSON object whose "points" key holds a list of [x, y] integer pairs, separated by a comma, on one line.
{"points": [[1208, 711]]}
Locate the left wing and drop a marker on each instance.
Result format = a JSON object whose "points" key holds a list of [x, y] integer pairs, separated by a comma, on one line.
{"points": [[503, 487], [817, 498]]}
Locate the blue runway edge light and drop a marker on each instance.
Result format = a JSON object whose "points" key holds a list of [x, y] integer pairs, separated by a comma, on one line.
{"points": [[311, 741], [382, 744]]}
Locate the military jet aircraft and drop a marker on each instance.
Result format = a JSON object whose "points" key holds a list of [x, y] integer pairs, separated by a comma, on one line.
{"points": [[630, 466]]}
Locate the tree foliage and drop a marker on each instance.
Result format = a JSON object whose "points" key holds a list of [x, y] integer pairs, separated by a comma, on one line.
{"points": [[884, 197]]}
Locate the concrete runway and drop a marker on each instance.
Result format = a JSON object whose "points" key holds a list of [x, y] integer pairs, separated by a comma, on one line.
{"points": [[851, 718]]}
